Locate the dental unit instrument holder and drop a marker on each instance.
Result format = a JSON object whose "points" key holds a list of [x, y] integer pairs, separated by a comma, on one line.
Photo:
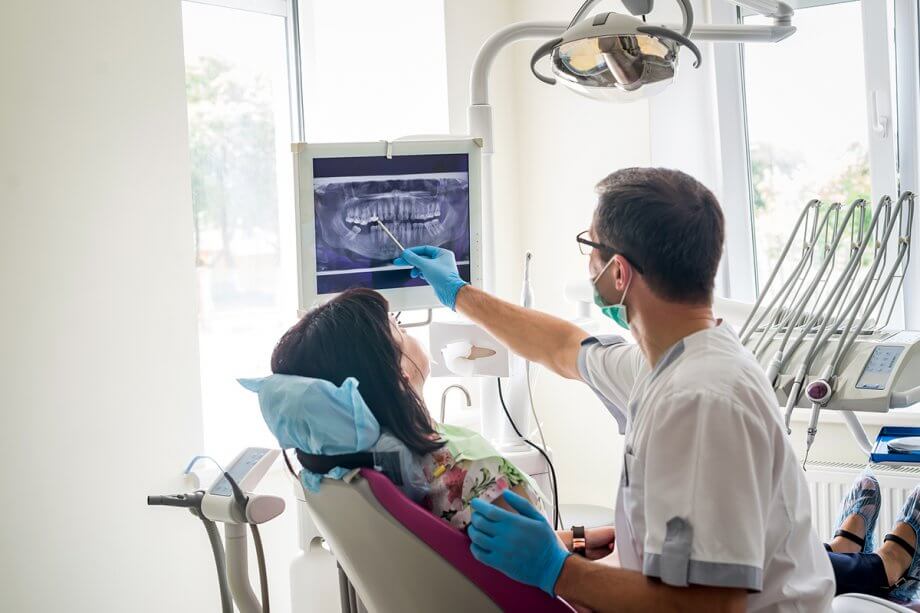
{"points": [[844, 358], [230, 502]]}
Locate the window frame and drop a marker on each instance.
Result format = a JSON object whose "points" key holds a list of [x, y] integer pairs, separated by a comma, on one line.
{"points": [[891, 39], [300, 67], [895, 101], [278, 8], [289, 10], [907, 70]]}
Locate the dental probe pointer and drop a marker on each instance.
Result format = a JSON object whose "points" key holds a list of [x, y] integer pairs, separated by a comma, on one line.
{"points": [[390, 234]]}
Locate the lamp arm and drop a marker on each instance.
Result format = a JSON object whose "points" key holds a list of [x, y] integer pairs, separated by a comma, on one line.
{"points": [[587, 6], [779, 11], [482, 64], [686, 10]]}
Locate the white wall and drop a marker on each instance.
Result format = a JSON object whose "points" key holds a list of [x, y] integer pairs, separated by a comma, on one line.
{"points": [[469, 23], [99, 362]]}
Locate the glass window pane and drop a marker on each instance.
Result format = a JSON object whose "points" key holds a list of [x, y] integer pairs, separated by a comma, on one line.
{"points": [[807, 121], [240, 134], [374, 70]]}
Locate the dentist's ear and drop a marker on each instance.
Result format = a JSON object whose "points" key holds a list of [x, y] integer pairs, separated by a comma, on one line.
{"points": [[622, 273]]}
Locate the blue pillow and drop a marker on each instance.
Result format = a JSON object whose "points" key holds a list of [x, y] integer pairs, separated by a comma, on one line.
{"points": [[316, 416]]}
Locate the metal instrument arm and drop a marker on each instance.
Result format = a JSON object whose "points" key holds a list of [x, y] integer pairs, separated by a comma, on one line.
{"points": [[768, 8]]}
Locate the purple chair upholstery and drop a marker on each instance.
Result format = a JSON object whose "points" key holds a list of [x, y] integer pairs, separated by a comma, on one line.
{"points": [[454, 547]]}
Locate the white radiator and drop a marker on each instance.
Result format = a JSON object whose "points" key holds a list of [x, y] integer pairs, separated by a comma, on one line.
{"points": [[828, 482]]}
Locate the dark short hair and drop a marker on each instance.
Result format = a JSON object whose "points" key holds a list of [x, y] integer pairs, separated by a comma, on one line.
{"points": [[350, 336], [667, 223]]}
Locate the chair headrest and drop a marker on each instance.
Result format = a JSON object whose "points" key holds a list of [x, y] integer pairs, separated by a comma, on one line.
{"points": [[331, 426], [316, 416]]}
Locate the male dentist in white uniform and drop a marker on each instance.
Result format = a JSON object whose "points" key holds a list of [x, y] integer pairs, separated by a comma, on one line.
{"points": [[713, 511]]}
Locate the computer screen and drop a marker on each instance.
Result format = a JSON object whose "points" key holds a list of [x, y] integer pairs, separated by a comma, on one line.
{"points": [[424, 192], [421, 199]]}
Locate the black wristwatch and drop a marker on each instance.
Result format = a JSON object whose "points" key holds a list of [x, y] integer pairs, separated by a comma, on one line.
{"points": [[579, 545]]}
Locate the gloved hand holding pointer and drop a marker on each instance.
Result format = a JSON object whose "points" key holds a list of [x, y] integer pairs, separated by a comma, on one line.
{"points": [[438, 267]]}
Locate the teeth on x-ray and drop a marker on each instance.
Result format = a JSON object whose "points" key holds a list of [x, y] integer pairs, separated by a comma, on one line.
{"points": [[416, 211], [398, 206]]}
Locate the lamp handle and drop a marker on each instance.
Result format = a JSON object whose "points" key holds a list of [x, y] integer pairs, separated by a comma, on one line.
{"points": [[543, 50], [675, 36], [687, 10]]}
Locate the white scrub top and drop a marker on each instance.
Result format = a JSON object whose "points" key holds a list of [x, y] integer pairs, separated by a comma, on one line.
{"points": [[711, 492]]}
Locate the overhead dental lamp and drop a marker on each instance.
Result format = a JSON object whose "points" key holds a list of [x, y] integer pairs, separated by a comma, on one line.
{"points": [[613, 56], [607, 56]]}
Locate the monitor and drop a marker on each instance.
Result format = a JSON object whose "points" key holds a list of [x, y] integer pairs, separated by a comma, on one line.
{"points": [[424, 192]]}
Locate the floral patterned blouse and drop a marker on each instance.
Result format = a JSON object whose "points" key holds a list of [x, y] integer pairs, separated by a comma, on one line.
{"points": [[455, 484]]}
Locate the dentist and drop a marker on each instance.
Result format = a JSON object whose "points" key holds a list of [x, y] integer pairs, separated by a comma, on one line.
{"points": [[712, 512]]}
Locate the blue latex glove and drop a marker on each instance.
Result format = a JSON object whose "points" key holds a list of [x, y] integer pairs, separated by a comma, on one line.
{"points": [[438, 267], [524, 547]]}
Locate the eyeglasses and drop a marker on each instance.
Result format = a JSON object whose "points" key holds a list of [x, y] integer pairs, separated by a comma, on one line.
{"points": [[586, 246]]}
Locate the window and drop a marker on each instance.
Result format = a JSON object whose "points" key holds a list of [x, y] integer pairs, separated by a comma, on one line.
{"points": [[238, 77], [242, 193], [806, 119], [818, 115], [374, 70]]}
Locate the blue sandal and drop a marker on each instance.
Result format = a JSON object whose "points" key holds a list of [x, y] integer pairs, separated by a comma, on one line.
{"points": [[863, 499], [908, 585]]}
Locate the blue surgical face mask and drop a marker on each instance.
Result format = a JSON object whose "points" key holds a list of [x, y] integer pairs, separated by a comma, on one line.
{"points": [[616, 312]]}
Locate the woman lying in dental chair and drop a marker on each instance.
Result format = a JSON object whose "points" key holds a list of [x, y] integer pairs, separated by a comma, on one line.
{"points": [[353, 344]]}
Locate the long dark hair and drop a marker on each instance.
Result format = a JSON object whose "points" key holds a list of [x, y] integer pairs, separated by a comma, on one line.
{"points": [[350, 336]]}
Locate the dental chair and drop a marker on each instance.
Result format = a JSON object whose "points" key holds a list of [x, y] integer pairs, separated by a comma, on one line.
{"points": [[396, 557], [399, 558]]}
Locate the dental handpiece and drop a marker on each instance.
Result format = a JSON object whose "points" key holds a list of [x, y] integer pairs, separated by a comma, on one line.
{"points": [[812, 431], [390, 234], [819, 392], [526, 288]]}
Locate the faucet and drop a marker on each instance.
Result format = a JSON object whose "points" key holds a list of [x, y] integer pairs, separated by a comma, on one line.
{"points": [[447, 389]]}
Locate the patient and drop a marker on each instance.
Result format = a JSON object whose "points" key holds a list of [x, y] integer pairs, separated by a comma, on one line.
{"points": [[353, 335]]}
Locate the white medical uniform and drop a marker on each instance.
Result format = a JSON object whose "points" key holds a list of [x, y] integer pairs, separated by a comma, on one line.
{"points": [[711, 492]]}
